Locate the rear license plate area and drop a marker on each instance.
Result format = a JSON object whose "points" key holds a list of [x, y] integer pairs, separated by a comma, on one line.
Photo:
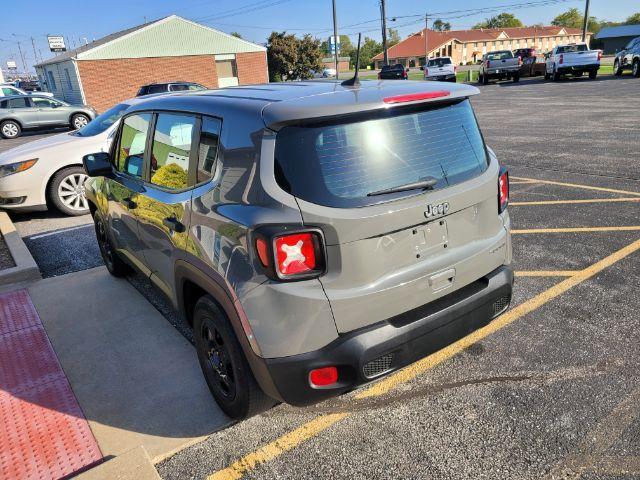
{"points": [[430, 238]]}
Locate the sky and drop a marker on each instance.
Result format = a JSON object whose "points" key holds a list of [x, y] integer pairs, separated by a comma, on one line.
{"points": [[78, 20]]}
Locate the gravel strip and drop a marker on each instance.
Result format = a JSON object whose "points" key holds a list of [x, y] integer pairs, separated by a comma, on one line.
{"points": [[6, 260]]}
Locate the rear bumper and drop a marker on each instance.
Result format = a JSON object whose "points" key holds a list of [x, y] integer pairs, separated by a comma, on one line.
{"points": [[442, 78], [579, 68], [372, 352], [502, 72]]}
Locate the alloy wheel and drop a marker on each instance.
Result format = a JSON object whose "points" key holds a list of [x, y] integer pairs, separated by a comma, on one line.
{"points": [[10, 130], [218, 361], [80, 121], [71, 192]]}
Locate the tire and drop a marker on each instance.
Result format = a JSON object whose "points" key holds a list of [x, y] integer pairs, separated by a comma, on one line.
{"points": [[224, 365], [555, 76], [485, 80], [480, 79], [115, 265], [635, 69], [593, 74], [79, 120], [617, 71], [10, 129], [516, 78], [547, 76], [66, 191]]}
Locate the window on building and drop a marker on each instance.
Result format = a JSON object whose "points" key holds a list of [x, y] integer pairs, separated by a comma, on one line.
{"points": [[52, 81], [68, 79], [171, 151], [208, 149], [132, 144], [226, 68]]}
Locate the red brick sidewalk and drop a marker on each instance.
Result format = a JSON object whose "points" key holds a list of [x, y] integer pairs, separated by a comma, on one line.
{"points": [[43, 432]]}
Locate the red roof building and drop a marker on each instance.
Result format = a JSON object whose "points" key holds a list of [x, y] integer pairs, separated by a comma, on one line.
{"points": [[468, 46]]}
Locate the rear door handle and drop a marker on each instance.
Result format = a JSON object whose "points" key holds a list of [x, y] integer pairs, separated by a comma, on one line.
{"points": [[130, 204], [174, 224]]}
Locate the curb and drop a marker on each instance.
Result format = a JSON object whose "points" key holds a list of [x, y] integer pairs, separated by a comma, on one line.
{"points": [[26, 268]]}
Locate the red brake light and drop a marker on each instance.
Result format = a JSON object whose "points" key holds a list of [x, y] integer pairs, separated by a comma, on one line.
{"points": [[455, 69], [296, 254], [379, 76], [561, 59], [412, 97], [599, 54], [323, 377], [503, 190], [426, 71], [519, 60]]}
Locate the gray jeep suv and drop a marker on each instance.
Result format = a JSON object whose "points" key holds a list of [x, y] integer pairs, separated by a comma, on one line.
{"points": [[317, 236]]}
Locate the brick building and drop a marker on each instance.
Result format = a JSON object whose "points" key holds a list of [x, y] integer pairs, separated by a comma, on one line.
{"points": [[468, 46], [113, 68]]}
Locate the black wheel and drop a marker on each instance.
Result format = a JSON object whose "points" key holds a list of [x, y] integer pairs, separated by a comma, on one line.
{"points": [[480, 80], [485, 80], [556, 77], [635, 69], [115, 265], [516, 78], [10, 129], [617, 71], [593, 74], [547, 76], [79, 120], [223, 364], [66, 191]]}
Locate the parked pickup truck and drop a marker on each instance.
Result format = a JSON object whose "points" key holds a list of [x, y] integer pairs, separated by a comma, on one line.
{"points": [[533, 63], [393, 72], [574, 59], [501, 65]]}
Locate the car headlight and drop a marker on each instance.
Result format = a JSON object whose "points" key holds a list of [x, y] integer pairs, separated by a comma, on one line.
{"points": [[10, 169]]}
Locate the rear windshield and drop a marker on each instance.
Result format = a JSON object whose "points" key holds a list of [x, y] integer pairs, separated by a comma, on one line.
{"points": [[337, 165], [572, 48], [439, 62], [499, 55]]}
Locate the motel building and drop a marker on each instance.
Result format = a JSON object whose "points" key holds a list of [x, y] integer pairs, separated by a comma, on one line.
{"points": [[468, 46]]}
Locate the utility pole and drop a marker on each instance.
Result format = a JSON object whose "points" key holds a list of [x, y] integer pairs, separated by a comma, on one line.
{"points": [[585, 22], [335, 39], [383, 15], [35, 54], [426, 44], [24, 64]]}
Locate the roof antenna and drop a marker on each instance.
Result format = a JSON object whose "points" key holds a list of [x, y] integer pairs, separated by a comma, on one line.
{"points": [[354, 82]]}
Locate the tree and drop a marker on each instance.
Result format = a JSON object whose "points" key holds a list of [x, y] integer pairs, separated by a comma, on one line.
{"points": [[345, 46], [502, 20], [572, 18], [633, 19], [393, 38], [440, 26], [369, 49], [290, 58], [236, 34]]}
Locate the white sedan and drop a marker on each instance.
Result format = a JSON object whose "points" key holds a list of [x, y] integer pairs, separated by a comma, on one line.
{"points": [[9, 90], [49, 171]]}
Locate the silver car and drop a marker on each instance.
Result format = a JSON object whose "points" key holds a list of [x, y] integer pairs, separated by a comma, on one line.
{"points": [[316, 235], [26, 112]]}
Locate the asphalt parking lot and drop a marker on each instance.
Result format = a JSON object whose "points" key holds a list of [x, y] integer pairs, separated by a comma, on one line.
{"points": [[548, 390]]}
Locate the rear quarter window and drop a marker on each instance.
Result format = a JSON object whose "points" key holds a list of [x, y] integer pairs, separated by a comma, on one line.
{"points": [[337, 165]]}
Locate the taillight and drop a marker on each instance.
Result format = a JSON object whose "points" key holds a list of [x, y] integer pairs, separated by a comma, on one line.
{"points": [[488, 63], [287, 254], [455, 69], [561, 61], [379, 76], [404, 74], [426, 72], [323, 377], [599, 54], [503, 190], [519, 60]]}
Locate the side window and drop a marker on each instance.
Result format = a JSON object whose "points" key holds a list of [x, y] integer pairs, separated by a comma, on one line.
{"points": [[133, 139], [179, 87], [44, 103], [156, 89], [7, 91], [208, 149], [171, 150], [18, 103]]}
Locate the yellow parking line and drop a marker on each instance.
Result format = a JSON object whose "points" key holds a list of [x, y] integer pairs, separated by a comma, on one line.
{"points": [[546, 273], [568, 202], [312, 428], [630, 228], [522, 182], [277, 447], [576, 185]]}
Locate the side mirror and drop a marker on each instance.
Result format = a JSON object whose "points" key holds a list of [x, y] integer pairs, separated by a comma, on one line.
{"points": [[97, 164], [421, 67]]}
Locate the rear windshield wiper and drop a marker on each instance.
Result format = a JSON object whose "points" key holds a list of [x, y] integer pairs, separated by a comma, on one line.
{"points": [[426, 183]]}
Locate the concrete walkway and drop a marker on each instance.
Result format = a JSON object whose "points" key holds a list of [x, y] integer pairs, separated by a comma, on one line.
{"points": [[136, 378]]}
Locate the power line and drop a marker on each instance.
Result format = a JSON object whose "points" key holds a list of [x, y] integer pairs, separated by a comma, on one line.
{"points": [[251, 7]]}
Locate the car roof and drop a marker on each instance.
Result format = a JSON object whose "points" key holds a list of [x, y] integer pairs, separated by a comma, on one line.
{"points": [[284, 102]]}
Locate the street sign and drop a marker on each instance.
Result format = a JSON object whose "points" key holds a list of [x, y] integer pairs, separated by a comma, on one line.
{"points": [[56, 43], [12, 65], [332, 45]]}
